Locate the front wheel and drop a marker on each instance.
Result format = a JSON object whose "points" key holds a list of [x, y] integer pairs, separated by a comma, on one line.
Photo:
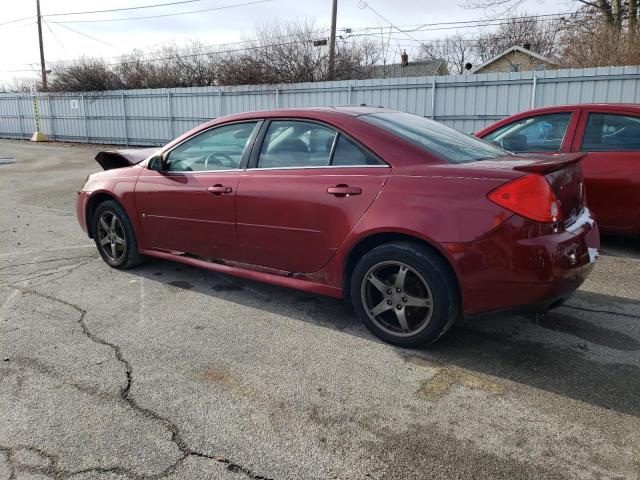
{"points": [[405, 293], [114, 236]]}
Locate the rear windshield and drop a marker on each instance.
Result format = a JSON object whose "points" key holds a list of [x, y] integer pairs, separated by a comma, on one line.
{"points": [[442, 141]]}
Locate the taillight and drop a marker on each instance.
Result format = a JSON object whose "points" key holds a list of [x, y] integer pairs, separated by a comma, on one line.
{"points": [[530, 196]]}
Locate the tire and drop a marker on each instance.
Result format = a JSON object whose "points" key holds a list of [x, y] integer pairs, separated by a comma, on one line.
{"points": [[121, 248], [426, 295]]}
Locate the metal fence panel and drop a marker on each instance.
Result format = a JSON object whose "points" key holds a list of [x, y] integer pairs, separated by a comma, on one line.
{"points": [[154, 117]]}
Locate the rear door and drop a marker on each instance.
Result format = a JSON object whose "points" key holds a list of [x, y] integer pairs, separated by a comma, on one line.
{"points": [[540, 133], [611, 140], [189, 207], [306, 188]]}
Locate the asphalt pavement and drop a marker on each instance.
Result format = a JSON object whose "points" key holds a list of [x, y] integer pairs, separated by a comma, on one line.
{"points": [[167, 371]]}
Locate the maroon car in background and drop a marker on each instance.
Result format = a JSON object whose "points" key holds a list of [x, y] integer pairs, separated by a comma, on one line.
{"points": [[412, 222], [609, 137]]}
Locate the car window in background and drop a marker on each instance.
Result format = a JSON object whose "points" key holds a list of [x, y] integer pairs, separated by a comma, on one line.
{"points": [[542, 133], [292, 144], [610, 132], [216, 149], [348, 153], [435, 138]]}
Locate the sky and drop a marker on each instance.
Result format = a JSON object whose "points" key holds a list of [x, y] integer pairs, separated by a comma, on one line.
{"points": [[63, 41]]}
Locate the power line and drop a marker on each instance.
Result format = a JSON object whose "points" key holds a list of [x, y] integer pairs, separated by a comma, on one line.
{"points": [[224, 7], [122, 9], [16, 20], [365, 33], [366, 5], [85, 35]]}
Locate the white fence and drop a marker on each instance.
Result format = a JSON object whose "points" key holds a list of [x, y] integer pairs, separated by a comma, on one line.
{"points": [[153, 117]]}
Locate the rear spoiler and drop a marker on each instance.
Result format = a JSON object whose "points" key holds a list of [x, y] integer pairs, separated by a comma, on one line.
{"points": [[109, 159], [550, 163]]}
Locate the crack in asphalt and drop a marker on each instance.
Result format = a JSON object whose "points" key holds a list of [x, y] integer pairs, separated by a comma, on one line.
{"points": [[595, 310], [65, 270], [49, 260], [176, 437]]}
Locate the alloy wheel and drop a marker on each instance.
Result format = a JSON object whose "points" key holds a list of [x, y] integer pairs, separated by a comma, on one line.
{"points": [[111, 237], [397, 298]]}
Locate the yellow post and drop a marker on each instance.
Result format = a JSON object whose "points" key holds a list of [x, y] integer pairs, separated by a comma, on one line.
{"points": [[38, 136]]}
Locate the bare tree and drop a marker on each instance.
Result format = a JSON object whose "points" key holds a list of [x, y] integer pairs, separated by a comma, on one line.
{"points": [[457, 50], [590, 41], [541, 36], [617, 14], [295, 52], [84, 74]]}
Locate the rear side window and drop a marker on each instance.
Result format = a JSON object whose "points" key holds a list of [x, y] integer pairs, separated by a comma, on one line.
{"points": [[542, 133], [300, 144], [292, 144], [442, 141], [607, 132], [348, 153]]}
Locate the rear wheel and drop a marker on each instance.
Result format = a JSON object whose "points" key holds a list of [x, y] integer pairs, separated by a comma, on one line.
{"points": [[114, 236], [405, 293]]}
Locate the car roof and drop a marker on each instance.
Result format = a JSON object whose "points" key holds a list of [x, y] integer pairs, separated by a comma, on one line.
{"points": [[592, 106], [318, 113]]}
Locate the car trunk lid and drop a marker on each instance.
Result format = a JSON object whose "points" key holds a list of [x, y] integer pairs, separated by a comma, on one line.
{"points": [[562, 172]]}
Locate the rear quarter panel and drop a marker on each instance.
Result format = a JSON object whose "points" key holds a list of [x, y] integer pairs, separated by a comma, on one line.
{"points": [[440, 208]]}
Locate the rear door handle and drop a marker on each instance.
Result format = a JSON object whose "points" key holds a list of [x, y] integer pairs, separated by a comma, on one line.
{"points": [[344, 190], [219, 190]]}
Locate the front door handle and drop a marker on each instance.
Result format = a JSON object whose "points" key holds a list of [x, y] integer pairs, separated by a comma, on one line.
{"points": [[344, 190], [218, 190]]}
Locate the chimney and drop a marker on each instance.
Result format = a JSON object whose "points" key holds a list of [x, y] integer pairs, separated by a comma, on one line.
{"points": [[527, 46], [404, 59]]}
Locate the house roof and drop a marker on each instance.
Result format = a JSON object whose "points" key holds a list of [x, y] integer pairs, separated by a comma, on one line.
{"points": [[515, 48], [414, 69]]}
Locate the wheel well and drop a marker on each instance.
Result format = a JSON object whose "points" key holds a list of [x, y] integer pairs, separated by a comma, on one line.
{"points": [[373, 241], [92, 205]]}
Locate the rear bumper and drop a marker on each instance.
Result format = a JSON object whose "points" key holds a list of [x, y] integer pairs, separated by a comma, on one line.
{"points": [[517, 265]]}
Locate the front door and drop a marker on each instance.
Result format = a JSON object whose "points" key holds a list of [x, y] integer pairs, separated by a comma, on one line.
{"points": [[309, 187], [611, 167], [189, 207]]}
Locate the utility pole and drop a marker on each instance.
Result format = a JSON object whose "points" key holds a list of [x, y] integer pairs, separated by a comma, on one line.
{"points": [[43, 67], [332, 40]]}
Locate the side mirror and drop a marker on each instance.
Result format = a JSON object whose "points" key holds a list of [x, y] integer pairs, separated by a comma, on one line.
{"points": [[156, 163]]}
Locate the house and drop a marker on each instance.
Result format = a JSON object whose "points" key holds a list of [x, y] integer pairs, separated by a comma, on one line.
{"points": [[412, 69], [516, 59]]}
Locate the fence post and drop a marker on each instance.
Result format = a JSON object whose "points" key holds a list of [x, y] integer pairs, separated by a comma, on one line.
{"points": [[21, 116], [433, 98], [277, 97], [52, 134], [170, 113], [84, 118], [533, 92], [124, 118], [349, 95]]}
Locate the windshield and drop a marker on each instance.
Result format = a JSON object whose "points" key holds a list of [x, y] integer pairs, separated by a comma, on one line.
{"points": [[435, 138]]}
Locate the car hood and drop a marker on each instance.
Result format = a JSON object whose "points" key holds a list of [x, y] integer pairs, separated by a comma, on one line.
{"points": [[109, 159]]}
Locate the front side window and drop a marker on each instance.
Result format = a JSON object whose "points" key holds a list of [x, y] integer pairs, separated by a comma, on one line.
{"points": [[220, 148], [607, 132], [542, 133], [433, 137]]}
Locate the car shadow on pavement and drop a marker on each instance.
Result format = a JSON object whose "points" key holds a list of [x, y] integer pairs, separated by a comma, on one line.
{"points": [[581, 350]]}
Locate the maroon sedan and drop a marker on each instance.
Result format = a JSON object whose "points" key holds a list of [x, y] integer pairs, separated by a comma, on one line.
{"points": [[609, 136], [412, 222]]}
